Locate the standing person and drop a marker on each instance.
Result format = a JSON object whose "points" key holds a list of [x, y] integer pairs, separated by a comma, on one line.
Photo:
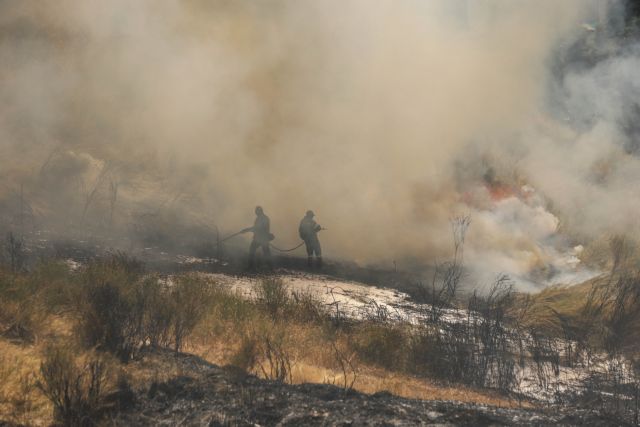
{"points": [[308, 231], [261, 238]]}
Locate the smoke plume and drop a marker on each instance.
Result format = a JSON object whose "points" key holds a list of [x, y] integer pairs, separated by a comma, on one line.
{"points": [[386, 118]]}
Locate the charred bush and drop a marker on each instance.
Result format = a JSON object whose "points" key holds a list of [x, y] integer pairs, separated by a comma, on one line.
{"points": [[123, 397], [15, 252], [478, 351], [491, 336], [158, 314], [444, 354], [441, 292], [545, 356]]}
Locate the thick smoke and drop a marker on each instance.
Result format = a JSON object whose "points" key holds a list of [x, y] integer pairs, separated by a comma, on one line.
{"points": [[386, 118]]}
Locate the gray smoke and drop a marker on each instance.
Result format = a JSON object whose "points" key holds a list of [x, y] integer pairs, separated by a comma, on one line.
{"points": [[383, 117]]}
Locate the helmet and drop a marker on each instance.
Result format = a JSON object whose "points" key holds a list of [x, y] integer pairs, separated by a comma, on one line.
{"points": [[259, 210], [310, 214]]}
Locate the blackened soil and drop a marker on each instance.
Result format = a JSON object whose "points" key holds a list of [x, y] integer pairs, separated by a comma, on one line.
{"points": [[209, 395]]}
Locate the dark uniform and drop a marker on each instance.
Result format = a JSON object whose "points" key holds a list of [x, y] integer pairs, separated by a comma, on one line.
{"points": [[261, 237], [308, 231]]}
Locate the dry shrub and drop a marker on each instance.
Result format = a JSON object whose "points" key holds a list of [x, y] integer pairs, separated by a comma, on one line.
{"points": [[609, 320], [380, 344], [306, 307], [173, 310], [15, 396], [22, 312], [22, 399], [21, 403], [345, 363], [121, 310], [112, 319], [273, 296], [191, 298], [55, 284], [21, 320], [611, 315], [75, 387], [115, 305], [266, 352], [6, 371], [275, 360], [246, 357], [233, 307]]}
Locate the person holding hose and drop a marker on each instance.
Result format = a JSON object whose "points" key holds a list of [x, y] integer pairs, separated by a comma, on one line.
{"points": [[308, 231], [261, 238]]}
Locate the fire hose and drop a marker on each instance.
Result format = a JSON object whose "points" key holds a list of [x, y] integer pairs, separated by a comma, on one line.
{"points": [[270, 244], [292, 249], [285, 250]]}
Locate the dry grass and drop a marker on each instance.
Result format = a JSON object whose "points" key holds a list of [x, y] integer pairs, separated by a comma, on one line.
{"points": [[567, 300], [372, 380], [315, 350], [550, 308], [20, 402], [315, 364]]}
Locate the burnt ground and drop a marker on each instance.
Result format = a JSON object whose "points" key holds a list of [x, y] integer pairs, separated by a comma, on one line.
{"points": [[208, 395]]}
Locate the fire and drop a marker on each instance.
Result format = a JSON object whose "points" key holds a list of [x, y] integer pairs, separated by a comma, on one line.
{"points": [[500, 191]]}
